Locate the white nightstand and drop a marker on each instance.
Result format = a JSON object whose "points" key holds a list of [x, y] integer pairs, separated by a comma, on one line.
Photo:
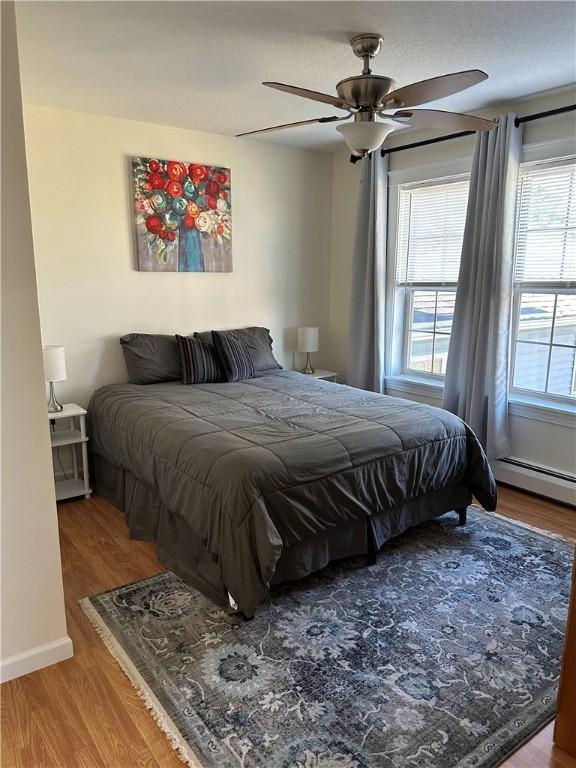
{"points": [[72, 434], [326, 375]]}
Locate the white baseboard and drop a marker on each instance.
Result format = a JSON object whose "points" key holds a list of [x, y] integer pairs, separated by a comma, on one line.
{"points": [[536, 482], [40, 656]]}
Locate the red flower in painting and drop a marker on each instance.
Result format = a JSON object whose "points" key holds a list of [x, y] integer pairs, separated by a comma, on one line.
{"points": [[197, 172], [156, 181], [174, 197], [153, 224], [174, 189], [176, 170]]}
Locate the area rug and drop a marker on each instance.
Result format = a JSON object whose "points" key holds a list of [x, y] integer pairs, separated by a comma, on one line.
{"points": [[445, 653]]}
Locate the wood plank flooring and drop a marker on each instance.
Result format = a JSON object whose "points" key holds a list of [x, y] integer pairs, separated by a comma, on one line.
{"points": [[83, 713]]}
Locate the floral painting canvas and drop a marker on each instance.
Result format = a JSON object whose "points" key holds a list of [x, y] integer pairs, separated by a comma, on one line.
{"points": [[183, 216]]}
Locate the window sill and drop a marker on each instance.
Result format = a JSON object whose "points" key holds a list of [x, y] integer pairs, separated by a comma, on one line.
{"points": [[562, 414], [412, 385]]}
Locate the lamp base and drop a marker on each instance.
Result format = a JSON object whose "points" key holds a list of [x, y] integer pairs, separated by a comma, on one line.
{"points": [[54, 406], [308, 370]]}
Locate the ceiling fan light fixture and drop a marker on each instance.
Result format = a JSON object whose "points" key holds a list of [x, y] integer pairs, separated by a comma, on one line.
{"points": [[364, 137]]}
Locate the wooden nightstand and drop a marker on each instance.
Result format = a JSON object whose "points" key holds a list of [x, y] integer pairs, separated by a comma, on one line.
{"points": [[71, 434], [326, 375]]}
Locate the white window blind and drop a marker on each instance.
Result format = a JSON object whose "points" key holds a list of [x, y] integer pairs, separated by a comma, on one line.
{"points": [[430, 231], [544, 338], [546, 225]]}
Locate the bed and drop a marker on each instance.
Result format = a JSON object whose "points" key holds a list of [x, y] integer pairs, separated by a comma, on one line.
{"points": [[244, 485]]}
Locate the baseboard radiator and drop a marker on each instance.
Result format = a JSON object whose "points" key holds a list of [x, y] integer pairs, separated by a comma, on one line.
{"points": [[545, 481], [544, 470]]}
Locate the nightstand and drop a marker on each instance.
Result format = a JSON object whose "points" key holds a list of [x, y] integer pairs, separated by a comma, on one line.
{"points": [[326, 375], [72, 434]]}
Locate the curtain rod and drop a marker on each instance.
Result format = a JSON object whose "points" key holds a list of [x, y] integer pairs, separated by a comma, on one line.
{"points": [[450, 136]]}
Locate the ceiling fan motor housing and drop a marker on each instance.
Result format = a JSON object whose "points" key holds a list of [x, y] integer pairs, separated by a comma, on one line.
{"points": [[365, 90]]}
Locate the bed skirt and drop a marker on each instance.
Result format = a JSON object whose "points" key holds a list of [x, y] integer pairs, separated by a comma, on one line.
{"points": [[183, 553]]}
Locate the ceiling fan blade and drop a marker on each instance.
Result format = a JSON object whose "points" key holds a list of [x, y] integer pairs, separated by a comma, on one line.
{"points": [[437, 118], [435, 88], [325, 98], [294, 125]]}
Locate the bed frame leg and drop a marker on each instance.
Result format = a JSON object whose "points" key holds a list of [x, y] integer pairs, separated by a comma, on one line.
{"points": [[372, 553], [239, 617], [236, 612], [462, 515]]}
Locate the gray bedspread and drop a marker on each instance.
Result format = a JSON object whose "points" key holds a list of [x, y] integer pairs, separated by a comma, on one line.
{"points": [[257, 465]]}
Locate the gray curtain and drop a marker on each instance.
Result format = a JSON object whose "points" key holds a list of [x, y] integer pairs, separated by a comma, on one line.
{"points": [[476, 387], [366, 339]]}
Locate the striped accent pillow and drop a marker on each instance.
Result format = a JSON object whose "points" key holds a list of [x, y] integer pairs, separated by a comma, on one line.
{"points": [[234, 357], [199, 361]]}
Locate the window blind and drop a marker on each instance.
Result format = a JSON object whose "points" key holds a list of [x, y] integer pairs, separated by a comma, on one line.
{"points": [[430, 232], [546, 225]]}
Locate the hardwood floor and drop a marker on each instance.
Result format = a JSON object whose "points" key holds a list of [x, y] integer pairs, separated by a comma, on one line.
{"points": [[84, 713]]}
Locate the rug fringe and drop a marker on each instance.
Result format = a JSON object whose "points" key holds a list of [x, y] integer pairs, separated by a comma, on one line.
{"points": [[164, 722], [522, 524]]}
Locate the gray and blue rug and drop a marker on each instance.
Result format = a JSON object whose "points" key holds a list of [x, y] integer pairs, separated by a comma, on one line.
{"points": [[445, 653]]}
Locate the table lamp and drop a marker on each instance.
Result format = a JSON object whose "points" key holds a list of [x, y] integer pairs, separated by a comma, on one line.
{"points": [[308, 342], [54, 370]]}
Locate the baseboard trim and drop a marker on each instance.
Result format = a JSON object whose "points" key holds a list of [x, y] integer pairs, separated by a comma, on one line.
{"points": [[531, 480], [40, 656]]}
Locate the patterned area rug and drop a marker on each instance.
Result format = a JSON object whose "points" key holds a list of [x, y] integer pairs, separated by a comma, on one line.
{"points": [[445, 653]]}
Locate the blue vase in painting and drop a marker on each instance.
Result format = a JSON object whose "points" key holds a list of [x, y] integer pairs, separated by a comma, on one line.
{"points": [[190, 258]]}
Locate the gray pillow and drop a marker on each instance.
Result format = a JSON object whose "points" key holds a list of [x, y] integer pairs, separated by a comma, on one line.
{"points": [[151, 358], [258, 341]]}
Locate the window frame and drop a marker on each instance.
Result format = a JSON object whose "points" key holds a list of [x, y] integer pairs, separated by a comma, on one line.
{"points": [[398, 298], [525, 403], [554, 288]]}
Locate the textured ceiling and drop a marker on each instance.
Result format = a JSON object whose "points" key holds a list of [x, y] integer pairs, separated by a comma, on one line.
{"points": [[200, 65]]}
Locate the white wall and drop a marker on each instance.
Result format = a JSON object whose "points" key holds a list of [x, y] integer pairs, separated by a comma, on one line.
{"points": [[33, 625], [551, 445], [89, 292]]}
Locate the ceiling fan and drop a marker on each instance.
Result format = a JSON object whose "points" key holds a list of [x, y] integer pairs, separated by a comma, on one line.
{"points": [[367, 97]]}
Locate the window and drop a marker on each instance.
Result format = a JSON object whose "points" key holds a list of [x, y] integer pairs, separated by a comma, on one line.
{"points": [[544, 311], [431, 220]]}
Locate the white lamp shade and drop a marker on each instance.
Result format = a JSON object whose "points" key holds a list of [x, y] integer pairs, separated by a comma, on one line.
{"points": [[308, 339], [365, 136], [54, 363]]}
